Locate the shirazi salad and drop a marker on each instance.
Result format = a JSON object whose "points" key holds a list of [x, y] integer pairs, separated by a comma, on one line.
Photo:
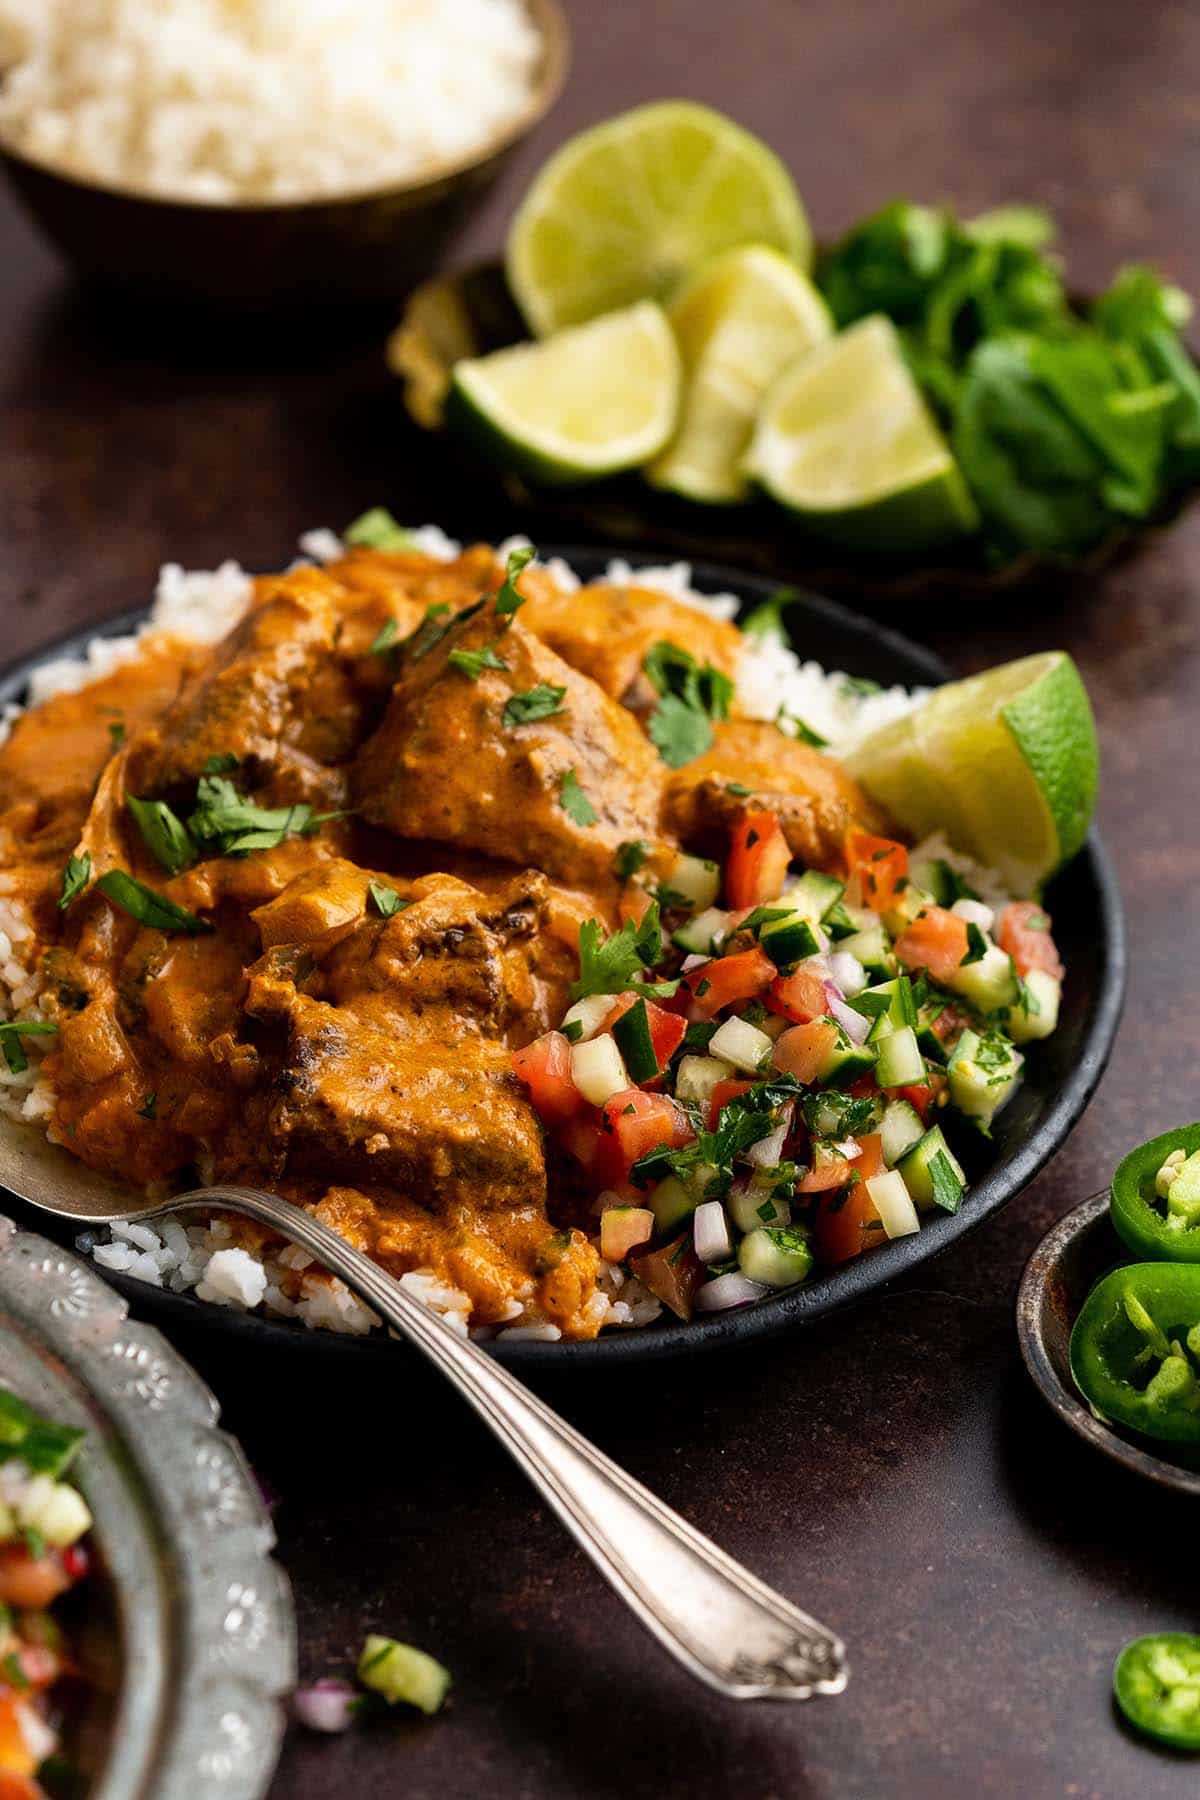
{"points": [[757, 1069], [44, 1521]]}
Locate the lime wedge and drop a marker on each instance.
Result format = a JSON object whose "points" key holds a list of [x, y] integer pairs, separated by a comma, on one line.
{"points": [[1006, 763], [582, 404], [739, 322], [846, 442], [628, 209]]}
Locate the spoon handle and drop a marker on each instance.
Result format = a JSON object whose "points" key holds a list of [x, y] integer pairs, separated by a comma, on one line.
{"points": [[721, 1622]]}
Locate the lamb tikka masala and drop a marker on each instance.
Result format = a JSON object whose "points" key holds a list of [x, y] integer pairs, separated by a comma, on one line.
{"points": [[395, 902]]}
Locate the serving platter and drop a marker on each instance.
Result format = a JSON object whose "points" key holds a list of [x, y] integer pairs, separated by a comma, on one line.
{"points": [[1061, 1073], [187, 1623]]}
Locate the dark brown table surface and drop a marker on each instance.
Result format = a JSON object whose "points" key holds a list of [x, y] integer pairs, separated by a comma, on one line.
{"points": [[892, 1469]]}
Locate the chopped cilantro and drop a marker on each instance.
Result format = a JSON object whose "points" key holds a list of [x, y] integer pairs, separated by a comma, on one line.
{"points": [[691, 696], [615, 964], [147, 905], [377, 530], [630, 857], [858, 687], [509, 600], [765, 623], [384, 638], [33, 1540], [163, 833], [575, 802], [947, 1188], [678, 732], [977, 947], [11, 1033], [223, 763], [739, 789], [794, 726], [534, 703], [15, 1674], [386, 901], [472, 663], [429, 632], [75, 877], [572, 1030], [149, 1107], [225, 823], [116, 733]]}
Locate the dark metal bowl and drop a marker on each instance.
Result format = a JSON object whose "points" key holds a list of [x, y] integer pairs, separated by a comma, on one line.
{"points": [[1061, 1074], [361, 247], [1058, 1278]]}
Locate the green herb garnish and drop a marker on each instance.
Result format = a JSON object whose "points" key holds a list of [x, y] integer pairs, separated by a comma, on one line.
{"points": [[146, 905], [977, 946], [538, 702], [472, 663], [11, 1033], [225, 823], [630, 857], [386, 901], [164, 835], [765, 622], [116, 734], [384, 639], [615, 964], [149, 1107], [223, 763], [575, 802], [692, 696], [377, 530], [509, 600], [75, 877], [947, 1188]]}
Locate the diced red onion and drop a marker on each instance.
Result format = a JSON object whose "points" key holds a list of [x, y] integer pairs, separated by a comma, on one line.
{"points": [[975, 913], [846, 972], [40, 1740], [769, 1150], [325, 1705], [710, 1232], [726, 1291], [851, 1022], [694, 962]]}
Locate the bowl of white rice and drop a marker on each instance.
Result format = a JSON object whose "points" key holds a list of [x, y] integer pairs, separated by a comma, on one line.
{"points": [[258, 153]]}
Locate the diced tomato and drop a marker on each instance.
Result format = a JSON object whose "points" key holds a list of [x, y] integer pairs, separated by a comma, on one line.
{"points": [[723, 1092], [667, 1030], [76, 1562], [19, 1787], [639, 1122], [880, 864], [634, 904], [869, 1161], [828, 1172], [803, 1050], [799, 997], [865, 1085], [593, 1148], [1025, 935], [759, 859], [924, 1096], [16, 1761], [936, 940], [728, 980], [545, 1068], [30, 1583], [950, 1024], [846, 1224]]}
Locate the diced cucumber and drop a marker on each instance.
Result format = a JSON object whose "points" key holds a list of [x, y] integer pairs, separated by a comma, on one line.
{"points": [[872, 949], [893, 1202], [846, 1062], [710, 1232], [588, 1014], [55, 1509], [813, 894], [906, 904], [755, 1205], [1034, 1014], [989, 984], [928, 1042], [901, 1129], [631, 1033], [701, 935], [932, 1173], [983, 1075], [899, 1063], [742, 1044], [399, 1672], [788, 941], [597, 1069], [696, 1078], [891, 1000], [671, 1202], [777, 1256], [695, 879], [831, 1114], [838, 921]]}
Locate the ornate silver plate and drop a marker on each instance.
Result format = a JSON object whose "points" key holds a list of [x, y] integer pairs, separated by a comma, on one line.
{"points": [[201, 1645]]}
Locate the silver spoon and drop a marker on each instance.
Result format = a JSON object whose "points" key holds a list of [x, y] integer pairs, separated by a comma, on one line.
{"points": [[721, 1622]]}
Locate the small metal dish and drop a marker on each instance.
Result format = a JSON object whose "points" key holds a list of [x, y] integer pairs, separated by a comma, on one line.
{"points": [[361, 247], [197, 1638], [1058, 1278]]}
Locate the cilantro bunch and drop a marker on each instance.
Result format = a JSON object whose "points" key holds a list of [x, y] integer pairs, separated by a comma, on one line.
{"points": [[1065, 425]]}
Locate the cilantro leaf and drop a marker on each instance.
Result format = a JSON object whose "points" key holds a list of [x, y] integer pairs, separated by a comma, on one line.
{"points": [[147, 905], [429, 633], [615, 964], [225, 823], [377, 530], [947, 1188], [386, 901], [692, 695], [977, 947], [149, 1107], [116, 733], [630, 857], [765, 624], [75, 877], [384, 639], [508, 600], [472, 663], [223, 763], [11, 1033], [793, 726], [678, 732], [575, 802], [163, 833], [534, 703]]}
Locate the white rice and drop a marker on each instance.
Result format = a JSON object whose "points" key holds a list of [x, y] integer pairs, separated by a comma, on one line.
{"points": [[227, 100], [202, 607]]}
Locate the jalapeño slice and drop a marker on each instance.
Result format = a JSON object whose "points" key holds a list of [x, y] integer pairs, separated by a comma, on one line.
{"points": [[1159, 1219], [1156, 1682], [1135, 1350]]}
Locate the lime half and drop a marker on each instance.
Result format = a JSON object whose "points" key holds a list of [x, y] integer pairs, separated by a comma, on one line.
{"points": [[739, 322], [628, 209], [846, 441], [582, 404], [1006, 763]]}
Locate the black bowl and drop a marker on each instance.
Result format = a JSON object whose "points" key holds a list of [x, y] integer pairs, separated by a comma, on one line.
{"points": [[1061, 1074]]}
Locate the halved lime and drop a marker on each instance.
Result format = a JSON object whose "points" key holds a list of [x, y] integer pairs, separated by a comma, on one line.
{"points": [[582, 404], [740, 321], [846, 442], [1006, 763], [628, 209]]}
